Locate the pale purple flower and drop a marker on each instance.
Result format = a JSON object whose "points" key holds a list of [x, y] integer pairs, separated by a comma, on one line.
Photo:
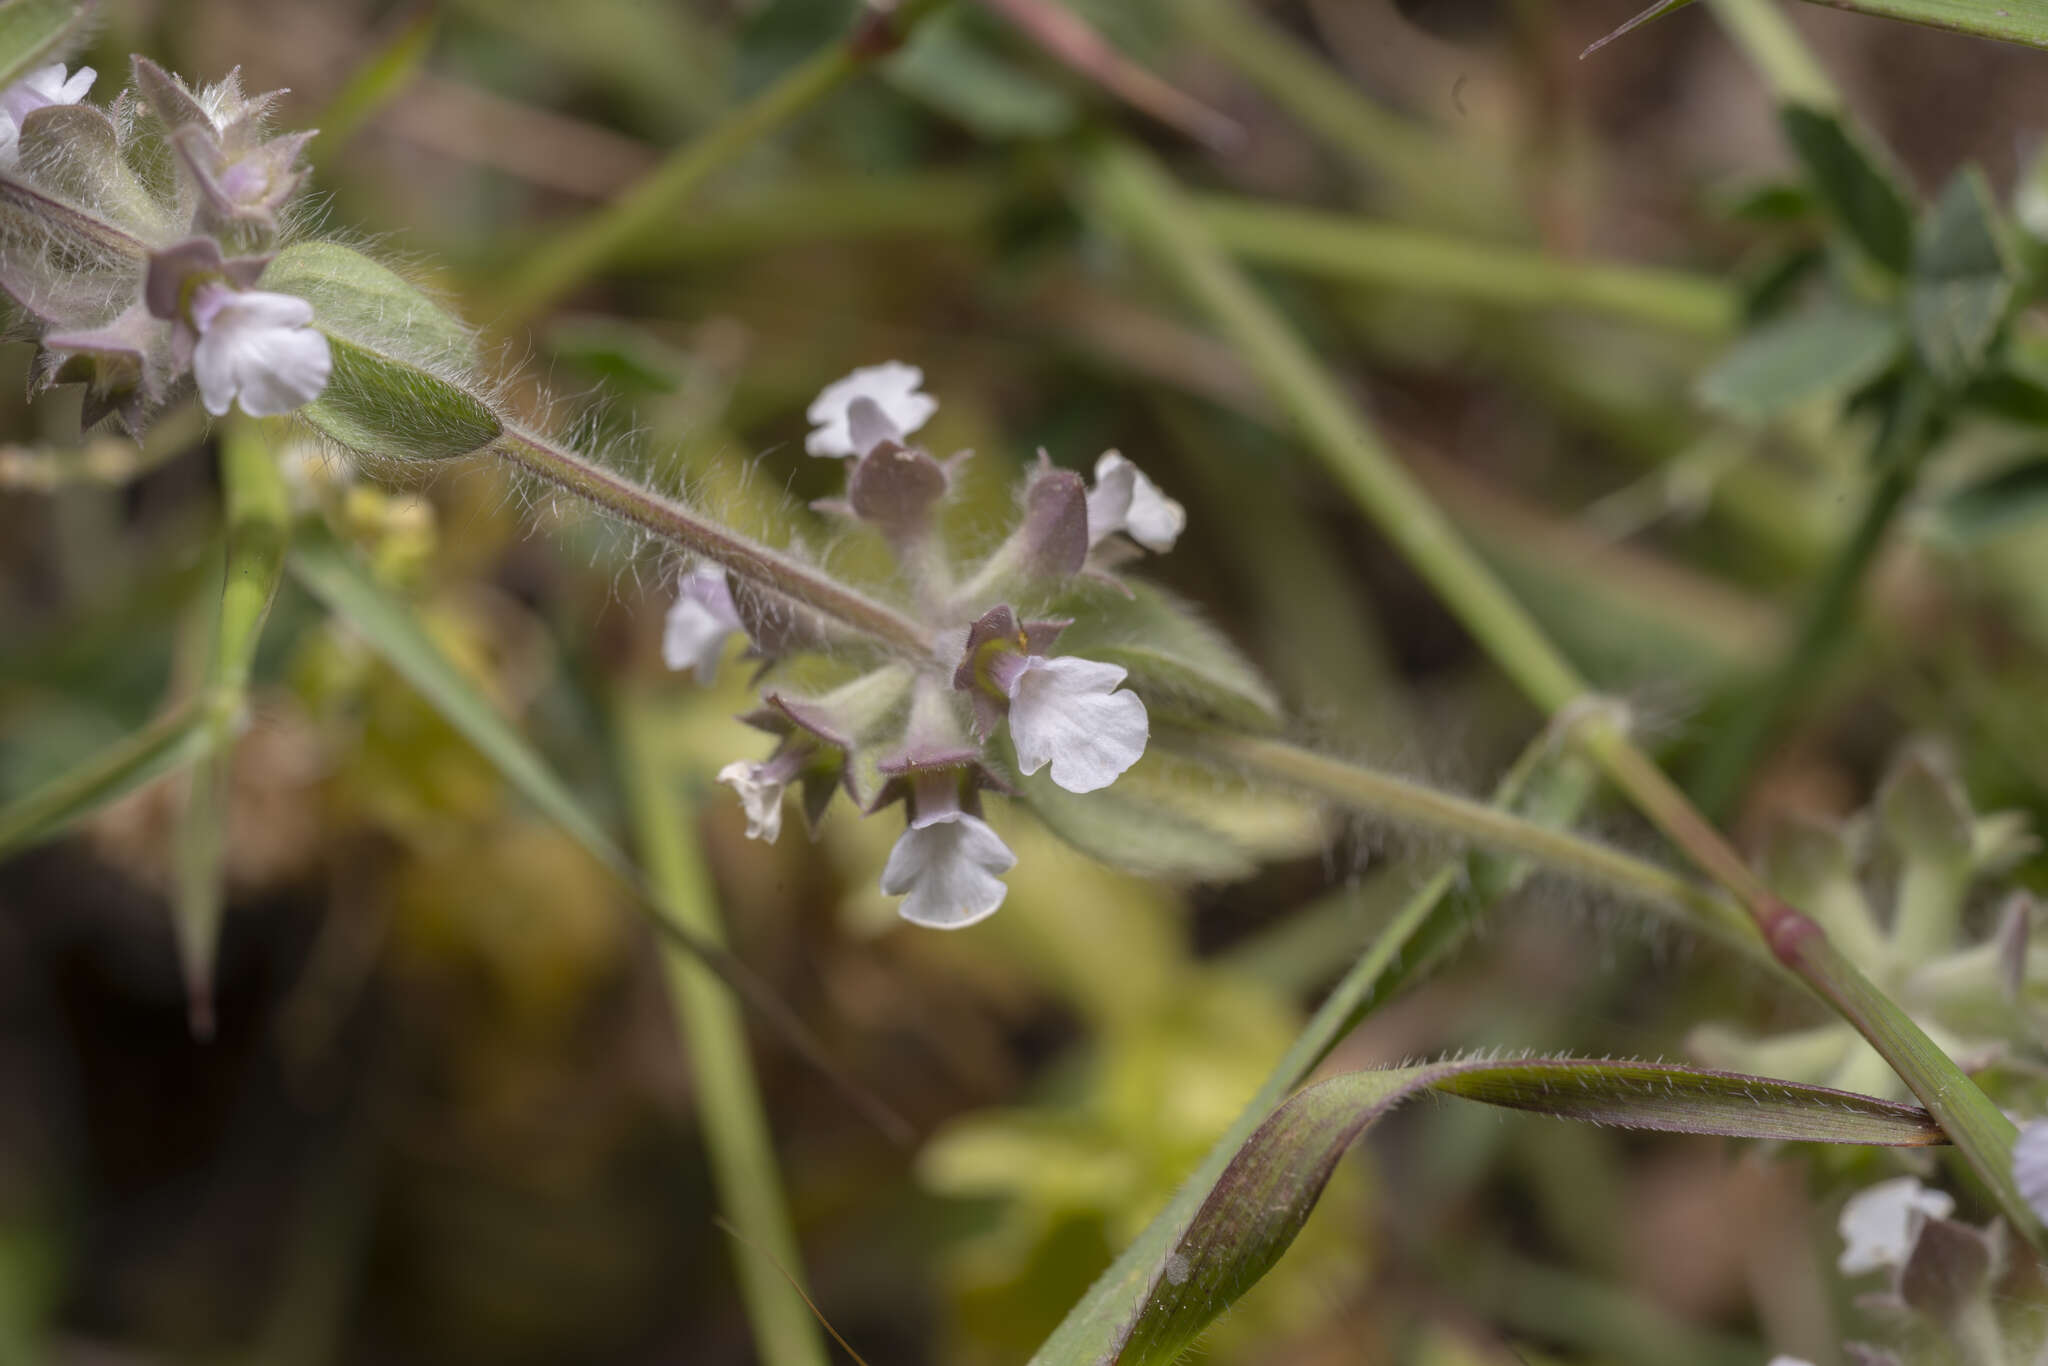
{"points": [[760, 788], [256, 347], [874, 404], [699, 623], [1123, 499], [39, 89], [2030, 1166], [1879, 1225], [945, 868], [1067, 712]]}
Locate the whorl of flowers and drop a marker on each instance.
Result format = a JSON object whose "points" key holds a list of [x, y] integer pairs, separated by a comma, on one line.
{"points": [[993, 701], [135, 237]]}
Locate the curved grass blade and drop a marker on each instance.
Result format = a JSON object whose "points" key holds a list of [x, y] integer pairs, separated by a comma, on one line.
{"points": [[1446, 901], [2005, 22], [1265, 1194], [162, 747], [331, 573]]}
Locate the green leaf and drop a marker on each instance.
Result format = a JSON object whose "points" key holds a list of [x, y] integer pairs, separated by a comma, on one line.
{"points": [[34, 32], [1862, 194], [1434, 919], [333, 575], [1266, 1193], [1961, 280], [164, 746], [385, 75], [1140, 824], [1987, 508], [404, 382], [1182, 665], [2010, 397], [1825, 351], [2000, 19]]}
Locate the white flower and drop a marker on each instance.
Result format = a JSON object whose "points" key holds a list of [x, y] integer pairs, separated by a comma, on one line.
{"points": [[39, 89], [893, 410], [1880, 1225], [1123, 499], [1067, 712], [760, 788], [945, 868], [2030, 1165], [258, 347], [703, 616], [1782, 1360]]}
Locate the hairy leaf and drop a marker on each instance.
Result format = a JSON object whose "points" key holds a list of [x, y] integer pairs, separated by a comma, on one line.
{"points": [[404, 384], [1264, 1196], [1182, 665]]}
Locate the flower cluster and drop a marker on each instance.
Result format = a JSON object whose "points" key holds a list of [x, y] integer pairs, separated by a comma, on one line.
{"points": [[990, 704], [135, 239]]}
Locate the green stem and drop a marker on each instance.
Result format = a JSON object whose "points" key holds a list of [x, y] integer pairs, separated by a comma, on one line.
{"points": [[257, 510], [1740, 742], [1432, 919], [1488, 826], [1137, 193], [728, 1097], [672, 521], [587, 247], [1775, 48], [1340, 246]]}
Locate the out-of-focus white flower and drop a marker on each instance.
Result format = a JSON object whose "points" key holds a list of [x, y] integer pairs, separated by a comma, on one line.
{"points": [[698, 624], [945, 866], [2030, 1166], [1123, 499], [874, 404], [256, 347], [1067, 712], [1880, 1225], [760, 787], [39, 89], [1782, 1360]]}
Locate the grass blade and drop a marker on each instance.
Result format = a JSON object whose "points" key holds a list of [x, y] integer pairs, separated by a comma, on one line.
{"points": [[1268, 1189], [34, 32], [729, 1105], [162, 747]]}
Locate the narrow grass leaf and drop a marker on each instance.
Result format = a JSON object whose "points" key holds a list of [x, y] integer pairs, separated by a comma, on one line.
{"points": [[389, 70], [1987, 508], [334, 576], [164, 746], [1269, 1188]]}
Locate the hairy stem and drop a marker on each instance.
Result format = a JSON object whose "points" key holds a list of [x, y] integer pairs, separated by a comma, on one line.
{"points": [[672, 521], [587, 247], [1378, 793], [1740, 742], [1139, 196]]}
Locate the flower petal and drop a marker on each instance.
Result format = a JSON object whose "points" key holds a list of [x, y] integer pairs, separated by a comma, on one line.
{"points": [[760, 796], [703, 615], [1879, 1225], [256, 345], [1066, 712], [946, 871], [1123, 499], [899, 409], [2030, 1165]]}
